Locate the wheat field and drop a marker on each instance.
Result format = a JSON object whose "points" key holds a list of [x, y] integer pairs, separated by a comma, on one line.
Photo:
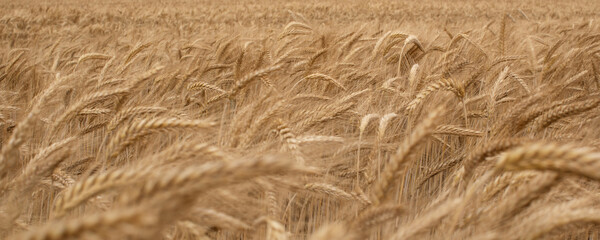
{"points": [[319, 120]]}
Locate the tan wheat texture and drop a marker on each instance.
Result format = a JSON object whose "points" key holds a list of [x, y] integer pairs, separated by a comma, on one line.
{"points": [[320, 120]]}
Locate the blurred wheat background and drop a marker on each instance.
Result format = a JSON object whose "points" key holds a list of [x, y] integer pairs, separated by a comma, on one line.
{"points": [[299, 119]]}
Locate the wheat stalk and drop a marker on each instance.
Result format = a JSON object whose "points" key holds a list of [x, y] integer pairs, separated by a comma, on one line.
{"points": [[550, 156], [128, 135]]}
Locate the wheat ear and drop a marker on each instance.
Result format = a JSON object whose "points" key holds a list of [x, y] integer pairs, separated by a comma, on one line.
{"points": [[400, 158]]}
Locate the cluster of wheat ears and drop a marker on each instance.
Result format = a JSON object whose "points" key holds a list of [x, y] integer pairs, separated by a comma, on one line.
{"points": [[300, 131]]}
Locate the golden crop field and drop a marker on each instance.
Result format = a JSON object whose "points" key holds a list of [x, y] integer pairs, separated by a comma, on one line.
{"points": [[319, 120]]}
